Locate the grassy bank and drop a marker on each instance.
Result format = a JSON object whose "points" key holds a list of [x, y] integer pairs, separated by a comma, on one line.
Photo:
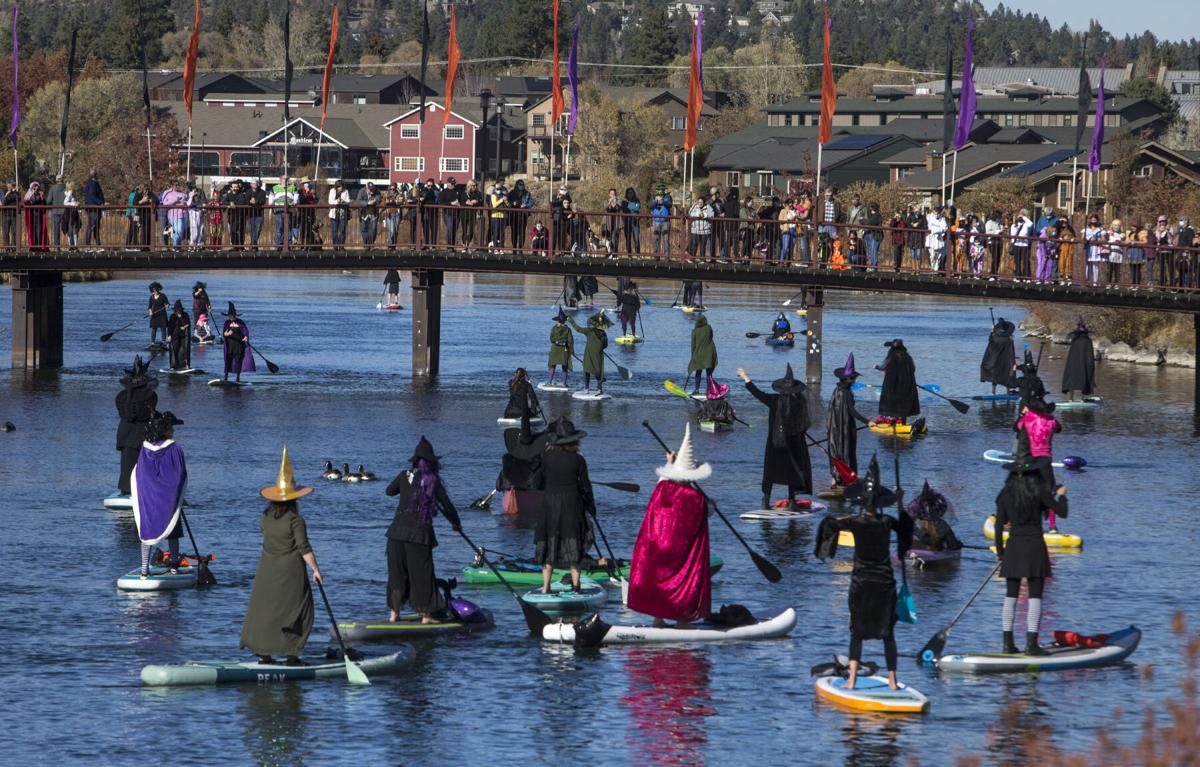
{"points": [[1121, 335], [84, 276]]}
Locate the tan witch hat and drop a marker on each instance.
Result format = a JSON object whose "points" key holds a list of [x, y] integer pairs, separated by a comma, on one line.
{"points": [[285, 487]]}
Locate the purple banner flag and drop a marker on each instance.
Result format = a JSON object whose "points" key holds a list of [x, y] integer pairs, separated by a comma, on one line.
{"points": [[966, 97], [1098, 128], [16, 93], [573, 76]]}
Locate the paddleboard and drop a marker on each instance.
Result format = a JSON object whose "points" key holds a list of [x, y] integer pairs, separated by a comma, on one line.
{"points": [[118, 502], [183, 372], [409, 627], [589, 397], [996, 397], [238, 672], [693, 309], [872, 693], [197, 342], [517, 421], [1053, 540], [553, 387], [763, 514], [778, 625], [1120, 645], [999, 456], [781, 342], [522, 572], [712, 427], [563, 599], [389, 307], [156, 347], [629, 340], [160, 579], [903, 431], [1085, 404], [229, 384]]}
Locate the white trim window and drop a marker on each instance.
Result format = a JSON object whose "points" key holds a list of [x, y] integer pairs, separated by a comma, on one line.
{"points": [[678, 123], [733, 179], [454, 164], [455, 132], [410, 131], [1064, 194], [1144, 171], [403, 164]]}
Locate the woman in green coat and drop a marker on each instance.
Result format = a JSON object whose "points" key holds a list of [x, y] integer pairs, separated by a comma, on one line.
{"points": [[593, 353], [562, 348], [280, 615], [704, 352]]}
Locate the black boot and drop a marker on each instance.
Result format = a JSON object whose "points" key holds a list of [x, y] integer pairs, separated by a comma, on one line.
{"points": [[1031, 644], [766, 503], [1009, 647]]}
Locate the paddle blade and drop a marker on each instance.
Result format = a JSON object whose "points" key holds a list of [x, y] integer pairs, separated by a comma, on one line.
{"points": [[766, 567], [483, 501], [933, 648], [205, 576], [625, 374], [354, 674], [534, 618], [675, 389], [753, 335], [624, 487], [961, 407], [104, 338], [590, 631], [274, 369], [906, 607]]}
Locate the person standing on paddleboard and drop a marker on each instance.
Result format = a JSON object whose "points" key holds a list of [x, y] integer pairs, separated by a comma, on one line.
{"points": [[1035, 435], [179, 332], [1079, 374], [135, 405], [521, 467], [562, 535], [872, 582], [898, 399], [201, 305], [669, 574], [411, 540], [1000, 357], [593, 351], [522, 400], [239, 358], [704, 353], [629, 304], [1022, 503], [562, 348], [159, 479], [156, 309], [391, 282], [844, 420], [280, 614], [785, 461]]}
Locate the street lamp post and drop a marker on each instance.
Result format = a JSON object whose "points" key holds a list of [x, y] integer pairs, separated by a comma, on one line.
{"points": [[499, 117], [485, 100]]}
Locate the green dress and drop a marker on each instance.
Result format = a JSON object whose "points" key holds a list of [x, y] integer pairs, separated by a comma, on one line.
{"points": [[704, 349], [562, 346], [593, 352], [280, 615]]}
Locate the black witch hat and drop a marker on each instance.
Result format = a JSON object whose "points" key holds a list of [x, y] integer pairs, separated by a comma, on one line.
{"points": [[1003, 328], [424, 451], [870, 490], [178, 308], [565, 433], [897, 344], [788, 384], [561, 316], [231, 311], [155, 286], [139, 374]]}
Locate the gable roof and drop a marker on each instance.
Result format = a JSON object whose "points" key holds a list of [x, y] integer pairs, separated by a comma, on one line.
{"points": [[357, 126], [435, 106], [977, 161]]}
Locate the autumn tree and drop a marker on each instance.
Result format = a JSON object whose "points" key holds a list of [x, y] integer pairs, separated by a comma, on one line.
{"points": [[1005, 194], [857, 83], [618, 144]]}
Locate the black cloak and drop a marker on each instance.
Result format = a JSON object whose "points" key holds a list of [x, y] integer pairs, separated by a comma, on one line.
{"points": [[843, 426], [785, 461], [1080, 371], [1000, 355], [898, 398]]}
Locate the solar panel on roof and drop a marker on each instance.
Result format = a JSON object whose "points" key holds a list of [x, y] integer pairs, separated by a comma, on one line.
{"points": [[1040, 164], [856, 143]]}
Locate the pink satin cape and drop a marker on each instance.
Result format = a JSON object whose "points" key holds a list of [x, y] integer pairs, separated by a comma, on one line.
{"points": [[669, 574]]}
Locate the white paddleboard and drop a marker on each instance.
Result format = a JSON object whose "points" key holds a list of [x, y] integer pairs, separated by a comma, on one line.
{"points": [[999, 456], [553, 387], [160, 579], [763, 514], [183, 372], [517, 421], [589, 397], [118, 502], [1084, 404], [229, 384]]}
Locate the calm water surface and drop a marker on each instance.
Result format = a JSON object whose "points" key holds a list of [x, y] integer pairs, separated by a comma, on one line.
{"points": [[74, 645]]}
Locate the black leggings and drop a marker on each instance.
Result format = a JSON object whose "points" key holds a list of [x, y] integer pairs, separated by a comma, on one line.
{"points": [[1013, 587], [707, 373], [889, 649]]}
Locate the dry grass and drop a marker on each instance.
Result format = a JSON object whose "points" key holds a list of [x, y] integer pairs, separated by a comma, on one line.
{"points": [[1141, 330]]}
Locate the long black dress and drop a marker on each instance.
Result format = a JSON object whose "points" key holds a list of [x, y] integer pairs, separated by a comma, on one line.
{"points": [[1025, 554], [179, 332], [1000, 356], [872, 582], [785, 459], [135, 405], [522, 402], [157, 306], [562, 535], [843, 427], [1079, 374], [410, 545], [898, 398]]}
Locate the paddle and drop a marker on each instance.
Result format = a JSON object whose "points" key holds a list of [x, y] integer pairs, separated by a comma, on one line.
{"points": [[534, 618], [793, 298], [624, 371], [961, 407], [204, 576], [483, 502], [846, 475], [756, 335], [933, 648], [354, 674], [678, 295], [624, 487], [270, 365], [769, 571], [612, 558], [104, 338]]}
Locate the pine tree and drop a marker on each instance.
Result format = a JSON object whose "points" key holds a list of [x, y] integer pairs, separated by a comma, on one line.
{"points": [[652, 44], [129, 22]]}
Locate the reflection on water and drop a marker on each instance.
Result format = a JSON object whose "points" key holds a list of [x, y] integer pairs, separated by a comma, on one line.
{"points": [[274, 724], [668, 700], [873, 740]]}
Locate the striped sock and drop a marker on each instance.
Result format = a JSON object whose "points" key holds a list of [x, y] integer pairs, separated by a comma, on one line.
{"points": [[1033, 618], [146, 556], [1008, 614]]}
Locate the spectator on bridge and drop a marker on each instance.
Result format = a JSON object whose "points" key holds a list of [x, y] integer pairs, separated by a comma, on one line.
{"points": [[70, 220], [256, 199], [660, 226], [55, 198], [1048, 219], [448, 203], [1137, 237], [497, 200], [539, 238], [469, 217], [994, 228], [829, 214], [560, 203], [339, 212], [281, 199], [787, 231], [369, 200], [1116, 252], [1019, 246], [429, 217], [235, 200], [393, 209], [132, 236], [935, 239], [632, 208], [804, 211], [520, 202], [873, 237], [612, 220], [1185, 261], [93, 198], [216, 217], [915, 239], [306, 214], [174, 202], [1164, 254], [194, 199], [1096, 245], [1066, 250], [768, 234], [699, 227], [35, 217], [856, 216], [1047, 254], [10, 200]]}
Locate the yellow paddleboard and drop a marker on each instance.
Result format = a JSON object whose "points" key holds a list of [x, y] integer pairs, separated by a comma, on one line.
{"points": [[629, 340], [1053, 540], [846, 538], [904, 430]]}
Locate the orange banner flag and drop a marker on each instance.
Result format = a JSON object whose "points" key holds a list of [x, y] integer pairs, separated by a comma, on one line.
{"points": [[557, 104], [452, 56], [333, 32], [189, 65], [695, 92], [828, 92]]}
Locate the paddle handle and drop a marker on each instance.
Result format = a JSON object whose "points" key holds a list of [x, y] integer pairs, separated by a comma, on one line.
{"points": [[479, 552], [332, 621], [991, 574]]}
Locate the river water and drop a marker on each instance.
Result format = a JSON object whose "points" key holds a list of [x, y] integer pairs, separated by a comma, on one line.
{"points": [[74, 644]]}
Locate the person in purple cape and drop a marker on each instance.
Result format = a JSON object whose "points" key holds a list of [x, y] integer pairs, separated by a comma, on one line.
{"points": [[159, 478], [239, 358]]}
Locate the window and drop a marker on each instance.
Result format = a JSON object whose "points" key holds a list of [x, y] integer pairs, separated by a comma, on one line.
{"points": [[454, 164], [360, 99], [766, 183], [678, 123], [409, 163], [246, 163], [410, 131], [270, 103], [1068, 120], [1022, 120], [203, 163], [1064, 195], [539, 121], [1008, 121], [455, 132], [1145, 171], [733, 179]]}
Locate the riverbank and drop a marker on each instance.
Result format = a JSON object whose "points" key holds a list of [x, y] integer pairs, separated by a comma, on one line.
{"points": [[82, 276], [1120, 335]]}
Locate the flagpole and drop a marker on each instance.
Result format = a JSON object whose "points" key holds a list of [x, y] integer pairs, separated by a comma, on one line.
{"points": [[188, 175], [943, 200], [1074, 182], [16, 168], [817, 189], [149, 157], [553, 128], [953, 175], [567, 163]]}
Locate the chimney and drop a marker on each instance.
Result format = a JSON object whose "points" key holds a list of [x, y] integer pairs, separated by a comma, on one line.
{"points": [[933, 161]]}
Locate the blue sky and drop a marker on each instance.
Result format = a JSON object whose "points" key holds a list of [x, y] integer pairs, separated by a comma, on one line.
{"points": [[1167, 19]]}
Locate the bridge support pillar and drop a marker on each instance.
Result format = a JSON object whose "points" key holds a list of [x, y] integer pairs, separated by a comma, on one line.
{"points": [[37, 319], [426, 321], [815, 304], [1196, 378]]}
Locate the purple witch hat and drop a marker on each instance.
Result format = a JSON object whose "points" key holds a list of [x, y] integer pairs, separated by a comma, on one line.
{"points": [[1080, 325], [847, 371]]}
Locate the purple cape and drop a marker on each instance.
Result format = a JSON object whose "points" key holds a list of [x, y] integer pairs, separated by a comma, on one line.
{"points": [[248, 354], [159, 478]]}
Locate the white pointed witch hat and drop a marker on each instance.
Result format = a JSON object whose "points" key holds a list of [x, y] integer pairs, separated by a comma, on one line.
{"points": [[684, 469]]}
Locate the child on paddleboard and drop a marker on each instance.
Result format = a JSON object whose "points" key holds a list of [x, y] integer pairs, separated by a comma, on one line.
{"points": [[1036, 428]]}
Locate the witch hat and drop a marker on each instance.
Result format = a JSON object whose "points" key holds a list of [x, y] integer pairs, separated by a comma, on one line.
{"points": [[155, 286], [929, 504], [561, 316], [565, 433], [1080, 325], [788, 384], [285, 487], [684, 468], [716, 390], [870, 490], [424, 451], [847, 371], [178, 306], [896, 343], [139, 374], [231, 311]]}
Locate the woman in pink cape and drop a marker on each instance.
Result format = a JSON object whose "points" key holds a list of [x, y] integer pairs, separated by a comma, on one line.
{"points": [[669, 575]]}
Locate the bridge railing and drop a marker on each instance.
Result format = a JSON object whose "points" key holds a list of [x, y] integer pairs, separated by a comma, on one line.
{"points": [[584, 235]]}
